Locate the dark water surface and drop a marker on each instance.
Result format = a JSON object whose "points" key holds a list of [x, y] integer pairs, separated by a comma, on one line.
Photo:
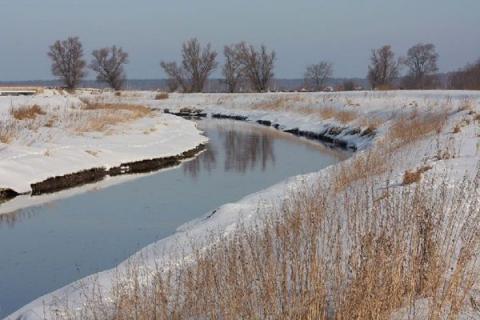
{"points": [[45, 247]]}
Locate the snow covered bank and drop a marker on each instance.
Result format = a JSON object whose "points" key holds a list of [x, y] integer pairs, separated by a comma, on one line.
{"points": [[453, 152], [65, 138]]}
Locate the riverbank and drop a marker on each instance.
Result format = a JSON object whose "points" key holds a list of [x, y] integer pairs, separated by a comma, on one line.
{"points": [[51, 142], [423, 143]]}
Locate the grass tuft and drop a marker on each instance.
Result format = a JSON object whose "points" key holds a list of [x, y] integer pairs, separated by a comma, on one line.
{"points": [[26, 112]]}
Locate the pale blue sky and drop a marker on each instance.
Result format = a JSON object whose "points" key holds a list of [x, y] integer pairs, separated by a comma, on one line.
{"points": [[301, 31]]}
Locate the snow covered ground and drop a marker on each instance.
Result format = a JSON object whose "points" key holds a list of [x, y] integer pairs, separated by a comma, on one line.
{"points": [[454, 151], [66, 138]]}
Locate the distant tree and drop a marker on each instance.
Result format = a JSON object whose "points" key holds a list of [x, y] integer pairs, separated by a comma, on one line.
{"points": [[108, 64], [232, 69], [348, 85], [67, 61], [256, 65], [467, 78], [383, 68], [197, 65], [421, 61], [317, 74]]}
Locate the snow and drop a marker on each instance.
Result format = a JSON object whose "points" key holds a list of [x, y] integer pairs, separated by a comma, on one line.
{"points": [[49, 152], [382, 105]]}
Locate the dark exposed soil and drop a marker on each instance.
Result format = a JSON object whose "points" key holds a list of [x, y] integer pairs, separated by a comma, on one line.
{"points": [[68, 181], [329, 136]]}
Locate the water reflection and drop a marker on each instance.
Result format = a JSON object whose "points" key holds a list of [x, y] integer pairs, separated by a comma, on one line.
{"points": [[245, 147], [206, 160], [9, 220]]}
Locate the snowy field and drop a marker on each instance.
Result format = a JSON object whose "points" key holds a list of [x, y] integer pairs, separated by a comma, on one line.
{"points": [[453, 152], [52, 134]]}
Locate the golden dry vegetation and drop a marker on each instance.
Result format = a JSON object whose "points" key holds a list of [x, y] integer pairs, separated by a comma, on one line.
{"points": [[325, 253]]}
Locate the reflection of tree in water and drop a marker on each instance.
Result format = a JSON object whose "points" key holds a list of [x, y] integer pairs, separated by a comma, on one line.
{"points": [[206, 158], [12, 218], [243, 150], [246, 150]]}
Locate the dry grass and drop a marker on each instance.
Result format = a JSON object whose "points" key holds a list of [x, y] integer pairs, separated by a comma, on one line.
{"points": [[368, 165], [320, 257], [161, 96], [413, 127], [342, 116], [414, 176], [325, 253], [404, 131], [8, 131], [91, 117], [26, 112], [135, 110], [280, 103], [104, 116]]}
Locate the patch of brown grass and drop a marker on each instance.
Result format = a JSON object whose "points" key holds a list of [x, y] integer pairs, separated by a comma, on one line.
{"points": [[104, 116], [280, 103], [161, 96], [414, 176], [136, 110], [343, 116], [408, 129], [368, 165], [26, 112], [8, 131]]}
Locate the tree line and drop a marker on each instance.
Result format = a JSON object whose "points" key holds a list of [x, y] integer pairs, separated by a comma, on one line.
{"points": [[250, 68]]}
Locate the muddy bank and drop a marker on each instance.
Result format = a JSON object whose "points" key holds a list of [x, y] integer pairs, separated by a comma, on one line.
{"points": [[93, 175], [7, 194], [329, 136], [188, 113]]}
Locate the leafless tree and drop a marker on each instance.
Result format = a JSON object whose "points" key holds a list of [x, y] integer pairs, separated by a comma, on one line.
{"points": [[232, 69], [421, 61], [108, 64], [256, 65], [348, 85], [197, 65], [467, 78], [67, 61], [317, 74], [383, 68]]}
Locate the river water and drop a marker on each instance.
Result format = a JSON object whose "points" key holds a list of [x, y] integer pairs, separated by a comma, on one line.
{"points": [[45, 247]]}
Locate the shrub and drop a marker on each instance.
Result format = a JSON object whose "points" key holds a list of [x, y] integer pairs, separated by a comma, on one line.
{"points": [[161, 96], [27, 112], [410, 177]]}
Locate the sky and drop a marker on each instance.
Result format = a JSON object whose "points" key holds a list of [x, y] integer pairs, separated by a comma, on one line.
{"points": [[301, 31]]}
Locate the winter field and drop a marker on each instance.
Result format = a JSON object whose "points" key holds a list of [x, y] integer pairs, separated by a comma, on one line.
{"points": [[53, 134], [390, 233]]}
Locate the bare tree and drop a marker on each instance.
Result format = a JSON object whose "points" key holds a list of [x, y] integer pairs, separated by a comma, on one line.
{"points": [[348, 85], [256, 65], [421, 61], [197, 65], [108, 64], [383, 68], [232, 69], [67, 61], [317, 74], [467, 78]]}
